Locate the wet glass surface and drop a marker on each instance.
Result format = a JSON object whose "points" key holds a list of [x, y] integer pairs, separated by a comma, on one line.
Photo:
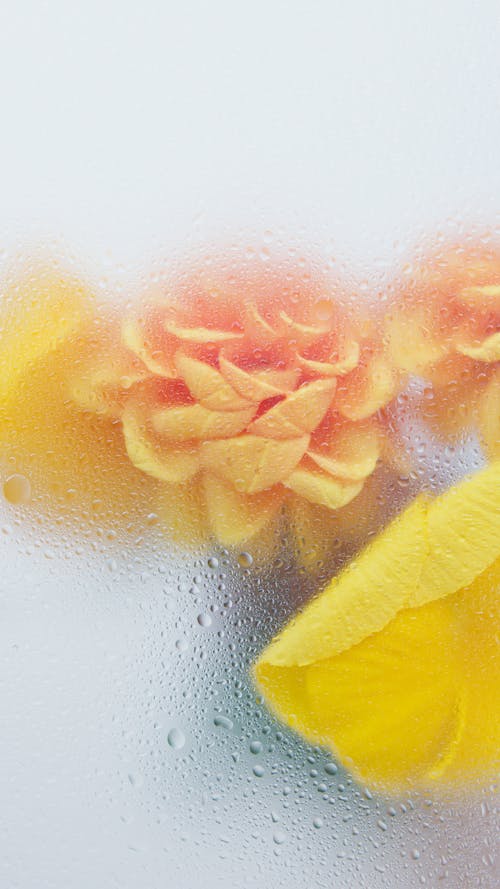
{"points": [[135, 748]]}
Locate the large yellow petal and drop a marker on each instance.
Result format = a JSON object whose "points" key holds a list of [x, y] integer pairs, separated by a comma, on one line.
{"points": [[251, 463], [193, 421], [298, 413], [403, 693], [463, 530], [234, 517]]}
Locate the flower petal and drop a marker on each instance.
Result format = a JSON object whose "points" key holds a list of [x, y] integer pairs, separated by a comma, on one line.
{"points": [[235, 517], [302, 334], [464, 535], [338, 368], [413, 343], [353, 454], [133, 337], [167, 463], [488, 350], [194, 421], [367, 389], [258, 385], [404, 693], [200, 335], [257, 328], [489, 416], [485, 297], [252, 463], [39, 312], [321, 488], [298, 413], [208, 386]]}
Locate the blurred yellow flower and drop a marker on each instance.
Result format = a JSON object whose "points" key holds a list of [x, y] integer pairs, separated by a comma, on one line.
{"points": [[396, 665]]}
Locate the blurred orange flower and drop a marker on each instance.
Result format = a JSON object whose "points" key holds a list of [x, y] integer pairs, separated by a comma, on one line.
{"points": [[445, 326], [241, 397]]}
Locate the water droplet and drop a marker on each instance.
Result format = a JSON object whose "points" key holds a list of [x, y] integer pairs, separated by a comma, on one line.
{"points": [[318, 822], [258, 771], [223, 722], [17, 489], [255, 747], [279, 837], [181, 645], [415, 854], [245, 560], [176, 738], [213, 562], [204, 620], [331, 768]]}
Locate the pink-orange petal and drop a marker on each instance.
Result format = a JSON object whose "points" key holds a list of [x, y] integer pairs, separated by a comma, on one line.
{"points": [[298, 413]]}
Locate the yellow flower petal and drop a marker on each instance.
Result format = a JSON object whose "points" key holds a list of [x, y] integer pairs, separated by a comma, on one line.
{"points": [[321, 488], [362, 599], [333, 369], [305, 334], [463, 529], [412, 344], [368, 389], [403, 693], [298, 413], [208, 386], [164, 462], [258, 385], [257, 328], [39, 312], [353, 454], [488, 350], [195, 421], [252, 463], [200, 335], [234, 517], [489, 416], [133, 338]]}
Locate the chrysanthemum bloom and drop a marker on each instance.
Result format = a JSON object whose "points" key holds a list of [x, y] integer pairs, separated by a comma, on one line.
{"points": [[396, 665], [241, 397], [445, 326]]}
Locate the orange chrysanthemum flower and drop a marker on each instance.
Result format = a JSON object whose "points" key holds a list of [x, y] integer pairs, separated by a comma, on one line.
{"points": [[445, 326], [241, 397]]}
